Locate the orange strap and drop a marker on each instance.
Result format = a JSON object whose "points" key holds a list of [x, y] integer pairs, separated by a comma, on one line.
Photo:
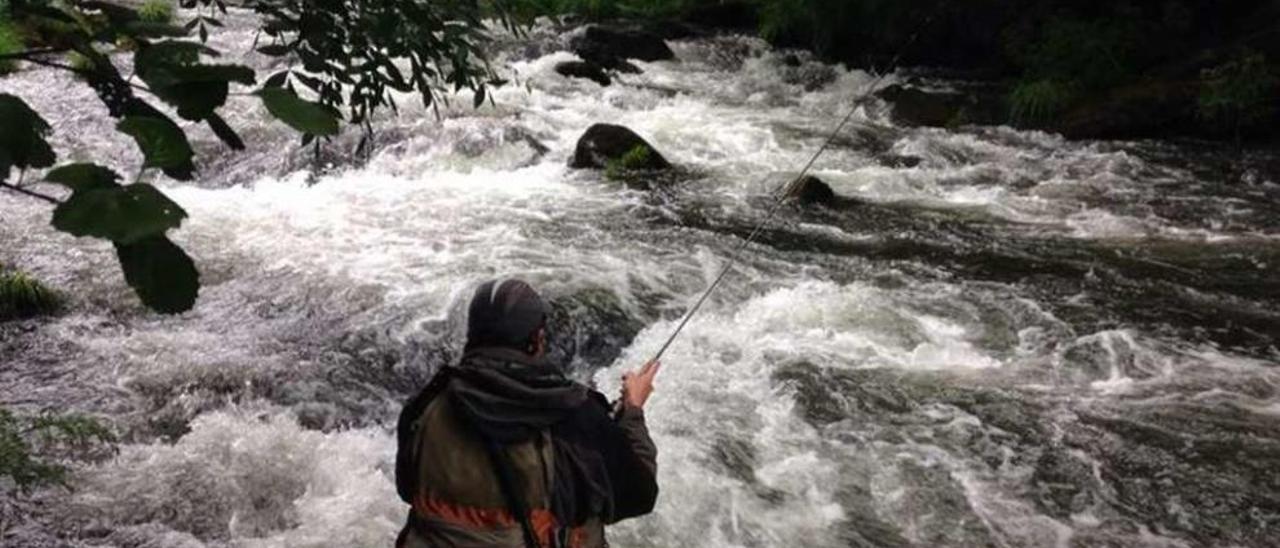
{"points": [[541, 519]]}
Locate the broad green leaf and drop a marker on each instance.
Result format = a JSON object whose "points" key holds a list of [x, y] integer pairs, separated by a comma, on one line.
{"points": [[22, 132], [83, 177], [274, 50], [161, 273], [224, 132], [170, 52], [122, 214], [161, 141], [276, 80], [149, 29], [196, 90], [302, 115]]}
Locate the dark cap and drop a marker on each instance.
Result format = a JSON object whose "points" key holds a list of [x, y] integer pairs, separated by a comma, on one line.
{"points": [[505, 313]]}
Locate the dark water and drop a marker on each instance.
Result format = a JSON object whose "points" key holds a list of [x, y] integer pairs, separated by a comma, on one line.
{"points": [[1020, 341]]}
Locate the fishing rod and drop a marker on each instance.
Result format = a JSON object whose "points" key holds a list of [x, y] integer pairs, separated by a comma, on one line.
{"points": [[780, 194]]}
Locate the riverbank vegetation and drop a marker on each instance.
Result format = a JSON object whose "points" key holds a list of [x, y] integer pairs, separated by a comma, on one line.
{"points": [[135, 59], [1087, 69], [34, 450], [22, 296]]}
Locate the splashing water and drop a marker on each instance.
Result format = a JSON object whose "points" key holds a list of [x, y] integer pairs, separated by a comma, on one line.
{"points": [[1019, 341]]}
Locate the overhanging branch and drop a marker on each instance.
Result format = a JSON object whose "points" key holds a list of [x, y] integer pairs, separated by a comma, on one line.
{"points": [[31, 193], [30, 53]]}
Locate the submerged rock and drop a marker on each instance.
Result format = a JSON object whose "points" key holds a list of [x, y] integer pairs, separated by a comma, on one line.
{"points": [[584, 69], [917, 107], [592, 327], [610, 47], [810, 190], [603, 145], [898, 161]]}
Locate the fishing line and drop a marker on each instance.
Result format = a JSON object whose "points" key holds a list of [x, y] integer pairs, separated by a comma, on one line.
{"points": [[780, 194]]}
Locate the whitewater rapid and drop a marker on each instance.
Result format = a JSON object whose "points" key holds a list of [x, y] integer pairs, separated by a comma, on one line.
{"points": [[825, 397]]}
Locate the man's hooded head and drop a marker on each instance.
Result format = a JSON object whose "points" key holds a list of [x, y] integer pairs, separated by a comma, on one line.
{"points": [[505, 313]]}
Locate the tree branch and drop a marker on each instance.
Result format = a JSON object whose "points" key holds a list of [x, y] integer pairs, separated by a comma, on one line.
{"points": [[27, 54], [51, 64], [30, 193]]}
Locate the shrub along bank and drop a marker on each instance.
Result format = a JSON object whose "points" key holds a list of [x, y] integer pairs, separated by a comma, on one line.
{"points": [[1088, 69]]}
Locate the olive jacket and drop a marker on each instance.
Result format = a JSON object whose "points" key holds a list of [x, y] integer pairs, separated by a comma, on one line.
{"points": [[504, 451]]}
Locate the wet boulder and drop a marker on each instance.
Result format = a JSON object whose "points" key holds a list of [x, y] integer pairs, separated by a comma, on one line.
{"points": [[593, 325], [805, 72], [913, 106], [811, 191], [610, 47], [584, 69], [605, 145]]}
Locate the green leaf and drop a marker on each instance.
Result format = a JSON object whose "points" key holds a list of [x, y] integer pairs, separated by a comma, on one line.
{"points": [[174, 74], [305, 116], [163, 144], [122, 214], [22, 142], [274, 50], [161, 273], [224, 132], [168, 53], [83, 177], [276, 80], [149, 29]]}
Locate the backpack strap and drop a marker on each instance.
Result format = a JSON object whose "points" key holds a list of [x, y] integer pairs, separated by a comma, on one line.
{"points": [[503, 469]]}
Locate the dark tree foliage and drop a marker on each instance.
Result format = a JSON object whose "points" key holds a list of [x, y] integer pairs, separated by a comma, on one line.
{"points": [[32, 447], [346, 54]]}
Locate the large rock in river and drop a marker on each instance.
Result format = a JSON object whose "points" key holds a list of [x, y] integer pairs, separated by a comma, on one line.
{"points": [[917, 107], [606, 143], [610, 47], [810, 190], [584, 69]]}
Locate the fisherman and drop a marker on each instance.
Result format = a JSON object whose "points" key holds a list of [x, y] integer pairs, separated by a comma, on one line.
{"points": [[504, 451]]}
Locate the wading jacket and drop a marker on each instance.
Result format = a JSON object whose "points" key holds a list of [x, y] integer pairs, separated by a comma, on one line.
{"points": [[503, 437]]}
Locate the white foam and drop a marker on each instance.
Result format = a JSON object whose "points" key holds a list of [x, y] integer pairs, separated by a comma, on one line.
{"points": [[258, 477]]}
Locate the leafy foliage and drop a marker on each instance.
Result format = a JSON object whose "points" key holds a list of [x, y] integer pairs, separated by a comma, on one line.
{"points": [[1092, 53], [22, 143], [1039, 101], [634, 159], [10, 41], [156, 11], [1238, 93], [304, 116], [355, 54], [31, 446], [22, 296], [161, 272], [123, 214], [352, 51]]}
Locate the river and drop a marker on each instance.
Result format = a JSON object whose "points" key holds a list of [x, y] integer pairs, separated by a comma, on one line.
{"points": [[1019, 341]]}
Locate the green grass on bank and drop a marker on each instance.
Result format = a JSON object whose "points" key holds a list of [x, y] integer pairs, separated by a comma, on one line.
{"points": [[22, 296]]}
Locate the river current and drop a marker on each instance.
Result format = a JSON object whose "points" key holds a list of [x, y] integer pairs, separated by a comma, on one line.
{"points": [[1017, 341]]}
